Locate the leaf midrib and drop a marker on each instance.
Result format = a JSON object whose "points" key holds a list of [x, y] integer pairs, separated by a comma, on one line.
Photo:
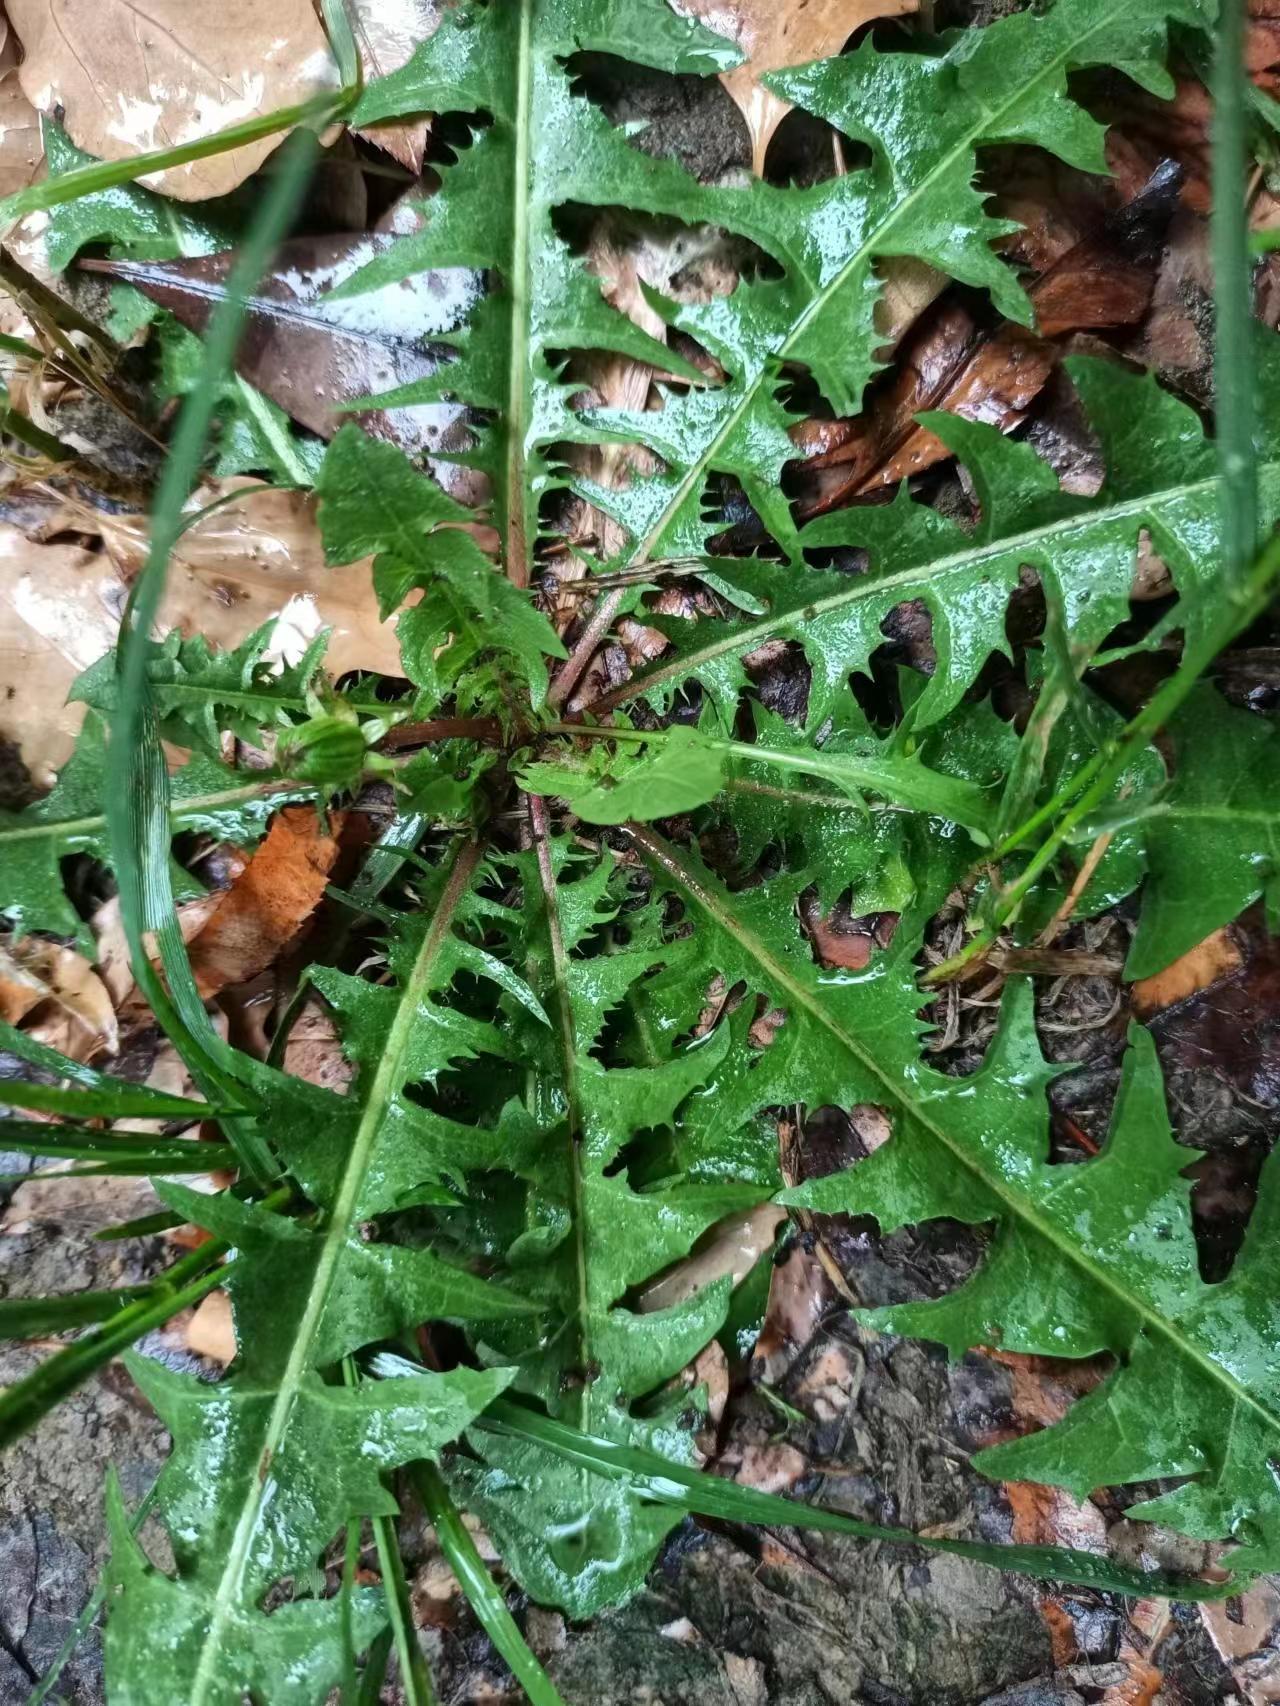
{"points": [[866, 253], [663, 855], [386, 1083], [753, 634]]}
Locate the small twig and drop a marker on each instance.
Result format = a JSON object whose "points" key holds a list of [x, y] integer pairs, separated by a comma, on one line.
{"points": [[1071, 900], [598, 625]]}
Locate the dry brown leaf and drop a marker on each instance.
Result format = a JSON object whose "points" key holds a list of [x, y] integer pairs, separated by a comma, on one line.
{"points": [[313, 354], [242, 566], [127, 78], [270, 901], [314, 1051], [387, 32], [252, 560], [774, 35], [114, 966], [61, 996]]}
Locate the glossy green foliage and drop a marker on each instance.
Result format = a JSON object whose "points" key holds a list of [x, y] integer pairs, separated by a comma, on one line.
{"points": [[207, 797], [569, 1048], [200, 692], [373, 502], [1161, 477], [1212, 837], [307, 1290], [1094, 1257], [922, 115], [589, 1229], [203, 1637]]}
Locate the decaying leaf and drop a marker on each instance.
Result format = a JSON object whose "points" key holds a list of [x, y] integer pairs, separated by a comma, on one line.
{"points": [[255, 559], [774, 36], [243, 564], [269, 902], [386, 35], [128, 78], [61, 607], [21, 149], [58, 996], [211, 1331], [311, 354]]}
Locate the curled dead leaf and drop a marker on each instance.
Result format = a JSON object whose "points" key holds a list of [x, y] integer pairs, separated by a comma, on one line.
{"points": [[21, 146], [387, 36], [211, 1331], [60, 996], [270, 901]]}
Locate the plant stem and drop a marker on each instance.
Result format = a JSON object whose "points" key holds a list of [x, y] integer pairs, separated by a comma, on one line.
{"points": [[598, 625], [1241, 607]]}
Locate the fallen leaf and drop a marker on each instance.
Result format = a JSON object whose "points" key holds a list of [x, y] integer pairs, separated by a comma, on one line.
{"points": [[21, 146], [949, 362], [270, 901], [60, 995], [774, 36], [126, 78], [211, 1331], [113, 965], [254, 559], [310, 354], [60, 607], [314, 1051], [1217, 956], [387, 32]]}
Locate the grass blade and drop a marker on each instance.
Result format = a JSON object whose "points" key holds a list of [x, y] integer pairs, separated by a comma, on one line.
{"points": [[1234, 379], [138, 783], [479, 1586], [106, 174], [707, 1495]]}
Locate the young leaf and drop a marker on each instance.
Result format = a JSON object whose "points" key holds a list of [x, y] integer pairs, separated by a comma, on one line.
{"points": [[373, 502]]}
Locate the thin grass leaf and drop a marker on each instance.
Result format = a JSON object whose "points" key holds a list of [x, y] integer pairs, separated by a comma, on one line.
{"points": [[27, 1400], [107, 174], [657, 1478], [483, 1593], [1235, 375], [78, 1143], [138, 784], [26, 1317]]}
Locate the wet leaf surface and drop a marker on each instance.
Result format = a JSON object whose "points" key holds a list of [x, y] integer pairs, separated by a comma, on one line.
{"points": [[312, 355]]}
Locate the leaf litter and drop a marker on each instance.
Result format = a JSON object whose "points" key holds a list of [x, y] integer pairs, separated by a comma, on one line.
{"points": [[1100, 283]]}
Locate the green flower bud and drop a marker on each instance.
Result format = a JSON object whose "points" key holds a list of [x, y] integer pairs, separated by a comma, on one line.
{"points": [[328, 750]]}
